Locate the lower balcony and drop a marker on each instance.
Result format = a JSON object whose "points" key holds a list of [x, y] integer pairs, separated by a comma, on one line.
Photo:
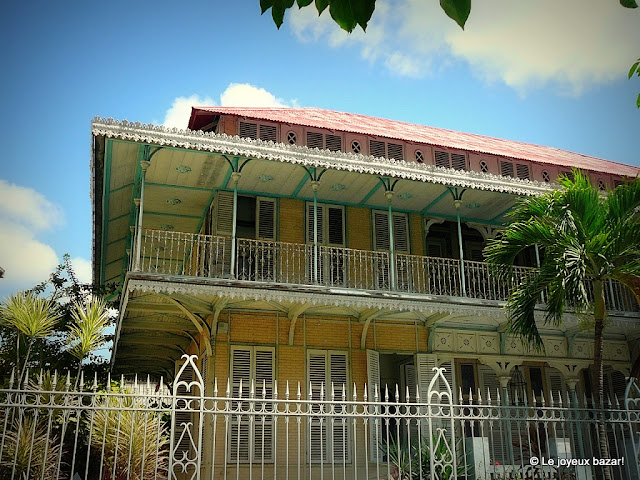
{"points": [[211, 256]]}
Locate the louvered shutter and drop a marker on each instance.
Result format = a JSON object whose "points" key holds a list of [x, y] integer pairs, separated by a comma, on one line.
{"points": [[377, 148], [266, 221], [318, 444], [239, 431], [506, 169], [263, 424], [400, 233], [565, 443], [458, 161], [522, 171], [441, 159], [224, 212], [268, 132], [315, 140], [320, 212], [248, 437], [375, 423], [265, 252], [489, 388], [410, 382], [339, 438], [381, 243], [335, 226], [333, 142], [394, 151], [248, 130], [425, 364], [333, 259]]}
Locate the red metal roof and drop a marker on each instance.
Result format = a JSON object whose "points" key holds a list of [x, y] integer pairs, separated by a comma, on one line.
{"points": [[393, 129]]}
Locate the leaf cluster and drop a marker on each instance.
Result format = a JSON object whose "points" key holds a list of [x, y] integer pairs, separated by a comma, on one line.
{"points": [[584, 237]]}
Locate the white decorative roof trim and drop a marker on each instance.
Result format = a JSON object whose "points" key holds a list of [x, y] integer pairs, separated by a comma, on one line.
{"points": [[327, 299], [301, 155]]}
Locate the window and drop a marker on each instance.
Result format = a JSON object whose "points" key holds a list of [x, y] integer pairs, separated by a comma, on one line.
{"points": [[251, 439], [355, 146], [324, 141], [419, 156], [545, 176], [400, 245], [292, 138], [331, 235], [484, 168], [379, 148], [515, 170], [328, 436], [255, 131]]}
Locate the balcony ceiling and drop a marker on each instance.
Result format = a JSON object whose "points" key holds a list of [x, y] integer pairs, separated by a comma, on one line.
{"points": [[180, 185]]}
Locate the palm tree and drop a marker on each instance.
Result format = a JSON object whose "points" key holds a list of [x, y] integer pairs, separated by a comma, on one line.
{"points": [[86, 332], [30, 316], [585, 239]]}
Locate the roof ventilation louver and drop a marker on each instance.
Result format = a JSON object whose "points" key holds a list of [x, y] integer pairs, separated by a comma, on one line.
{"points": [[314, 140], [395, 151], [334, 142], [249, 130], [522, 171], [376, 148], [442, 159], [458, 161], [506, 169], [268, 133]]}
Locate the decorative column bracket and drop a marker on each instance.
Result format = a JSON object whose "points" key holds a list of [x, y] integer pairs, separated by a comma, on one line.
{"points": [[389, 185], [236, 171], [457, 202], [315, 174]]}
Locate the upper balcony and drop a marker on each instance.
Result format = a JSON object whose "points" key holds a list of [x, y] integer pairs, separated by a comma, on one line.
{"points": [[288, 265]]}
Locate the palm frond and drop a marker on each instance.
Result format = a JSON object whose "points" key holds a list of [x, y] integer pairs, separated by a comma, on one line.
{"points": [[34, 317], [86, 333]]}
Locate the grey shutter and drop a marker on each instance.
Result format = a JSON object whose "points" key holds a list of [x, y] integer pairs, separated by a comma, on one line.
{"points": [[239, 431], [400, 233], [490, 386], [339, 433], [266, 221], [310, 223], [263, 424], [381, 230], [318, 444], [375, 423], [223, 212], [425, 364]]}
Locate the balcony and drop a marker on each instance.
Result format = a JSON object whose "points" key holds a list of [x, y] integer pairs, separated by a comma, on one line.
{"points": [[209, 256]]}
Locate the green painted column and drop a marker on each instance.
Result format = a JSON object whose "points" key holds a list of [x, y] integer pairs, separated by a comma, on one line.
{"points": [[392, 257], [144, 165], [463, 281], [235, 176], [314, 186]]}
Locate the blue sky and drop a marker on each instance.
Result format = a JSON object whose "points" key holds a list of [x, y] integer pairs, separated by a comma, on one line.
{"points": [[546, 73]]}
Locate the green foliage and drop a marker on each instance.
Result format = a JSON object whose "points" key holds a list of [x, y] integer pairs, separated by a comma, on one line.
{"points": [[629, 3], [346, 13], [415, 462], [457, 10], [583, 237], [86, 332], [135, 441], [635, 68]]}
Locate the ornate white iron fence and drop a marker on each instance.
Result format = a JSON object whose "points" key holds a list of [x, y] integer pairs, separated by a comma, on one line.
{"points": [[50, 430]]}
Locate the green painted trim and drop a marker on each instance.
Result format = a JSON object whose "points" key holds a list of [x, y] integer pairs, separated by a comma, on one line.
{"points": [[132, 211], [301, 184], [106, 186], [112, 262], [118, 217], [206, 211], [501, 214], [227, 177], [183, 187], [370, 194], [425, 210], [121, 188], [116, 240], [165, 214]]}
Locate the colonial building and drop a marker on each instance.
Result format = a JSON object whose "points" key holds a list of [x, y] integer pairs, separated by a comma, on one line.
{"points": [[312, 246]]}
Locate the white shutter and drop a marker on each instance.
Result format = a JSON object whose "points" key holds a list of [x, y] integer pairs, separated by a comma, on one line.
{"points": [[318, 445], [339, 425], [320, 213], [400, 233], [246, 437], [266, 218], [375, 423], [425, 364], [224, 212], [490, 386]]}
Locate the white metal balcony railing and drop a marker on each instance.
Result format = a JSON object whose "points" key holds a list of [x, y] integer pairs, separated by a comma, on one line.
{"points": [[177, 253], [51, 431]]}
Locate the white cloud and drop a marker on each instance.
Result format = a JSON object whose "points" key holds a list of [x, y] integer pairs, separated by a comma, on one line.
{"points": [[235, 95], [572, 44], [25, 206], [178, 114], [82, 268], [26, 260]]}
